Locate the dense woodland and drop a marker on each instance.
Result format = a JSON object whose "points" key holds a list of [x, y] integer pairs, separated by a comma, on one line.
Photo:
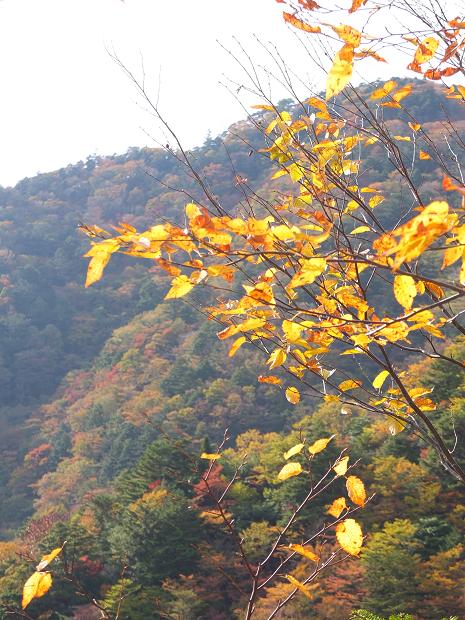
{"points": [[109, 395]]}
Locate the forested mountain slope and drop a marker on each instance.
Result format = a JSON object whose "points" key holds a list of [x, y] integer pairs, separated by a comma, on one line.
{"points": [[103, 389]]}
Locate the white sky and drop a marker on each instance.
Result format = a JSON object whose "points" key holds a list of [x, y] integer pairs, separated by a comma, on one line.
{"points": [[63, 98]]}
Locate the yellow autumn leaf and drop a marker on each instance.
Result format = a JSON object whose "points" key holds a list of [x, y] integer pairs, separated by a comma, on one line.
{"points": [[384, 90], [36, 586], [46, 559], [356, 490], [306, 553], [340, 73], [424, 155], [292, 330], [292, 395], [341, 466], [348, 34], [293, 451], [380, 379], [180, 286], [277, 358], [350, 536], [426, 50], [401, 92], [405, 291], [300, 586], [192, 210], [319, 445], [375, 201], [350, 384], [360, 229], [210, 456], [289, 470], [236, 345], [451, 255], [99, 254], [309, 270], [337, 507]]}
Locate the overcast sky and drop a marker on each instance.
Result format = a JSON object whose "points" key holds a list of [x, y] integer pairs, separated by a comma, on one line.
{"points": [[63, 98]]}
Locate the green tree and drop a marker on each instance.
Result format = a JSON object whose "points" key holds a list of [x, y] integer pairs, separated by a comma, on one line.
{"points": [[392, 568]]}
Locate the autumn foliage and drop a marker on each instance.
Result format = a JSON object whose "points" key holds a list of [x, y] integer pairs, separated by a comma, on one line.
{"points": [[329, 279]]}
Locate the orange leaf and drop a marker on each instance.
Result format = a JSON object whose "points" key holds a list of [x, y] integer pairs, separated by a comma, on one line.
{"points": [[306, 553], [269, 379], [356, 4], [293, 395], [298, 23], [356, 490], [337, 507]]}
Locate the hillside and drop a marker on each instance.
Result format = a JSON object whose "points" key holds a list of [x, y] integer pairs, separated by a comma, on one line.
{"points": [[103, 388]]}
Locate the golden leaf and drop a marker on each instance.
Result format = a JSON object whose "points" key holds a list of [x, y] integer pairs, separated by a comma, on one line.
{"points": [[341, 71], [402, 92], [360, 229], [210, 456], [100, 254], [348, 34], [289, 470], [292, 395], [293, 451], [337, 507], [356, 490], [300, 586], [426, 50], [341, 466], [261, 106], [451, 255], [405, 291], [46, 559], [192, 210], [379, 93], [306, 553], [350, 384], [236, 345], [36, 586], [180, 286], [424, 155], [277, 358], [380, 379], [309, 270], [350, 536], [319, 445]]}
